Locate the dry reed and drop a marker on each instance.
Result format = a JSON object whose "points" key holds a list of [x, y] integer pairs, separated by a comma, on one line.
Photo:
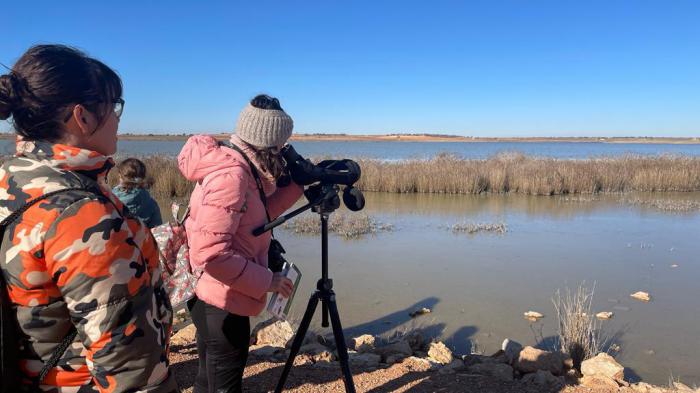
{"points": [[472, 228], [504, 173], [347, 225], [521, 174], [579, 330]]}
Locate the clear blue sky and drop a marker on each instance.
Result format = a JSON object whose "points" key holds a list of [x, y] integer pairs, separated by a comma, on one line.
{"points": [[486, 68]]}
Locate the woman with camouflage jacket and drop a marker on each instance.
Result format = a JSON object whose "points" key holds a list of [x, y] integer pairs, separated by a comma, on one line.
{"points": [[77, 261]]}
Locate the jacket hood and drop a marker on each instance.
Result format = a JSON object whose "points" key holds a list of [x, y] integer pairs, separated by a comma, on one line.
{"points": [[202, 155]]}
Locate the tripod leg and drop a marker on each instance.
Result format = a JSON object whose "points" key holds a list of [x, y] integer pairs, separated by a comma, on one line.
{"points": [[340, 344], [298, 339]]}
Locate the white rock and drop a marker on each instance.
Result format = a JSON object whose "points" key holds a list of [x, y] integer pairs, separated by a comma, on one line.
{"points": [[532, 315], [643, 296], [603, 365], [604, 315], [274, 333], [439, 353], [364, 343]]}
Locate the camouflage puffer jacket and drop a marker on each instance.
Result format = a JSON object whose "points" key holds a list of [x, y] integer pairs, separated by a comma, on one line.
{"points": [[80, 259]]}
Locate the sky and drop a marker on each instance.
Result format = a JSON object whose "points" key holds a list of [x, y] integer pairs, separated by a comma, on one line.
{"points": [[475, 68]]}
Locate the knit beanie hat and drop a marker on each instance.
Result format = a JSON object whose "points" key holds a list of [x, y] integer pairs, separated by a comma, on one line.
{"points": [[264, 127]]}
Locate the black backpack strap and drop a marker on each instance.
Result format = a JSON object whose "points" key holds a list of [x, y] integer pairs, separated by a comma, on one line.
{"points": [[72, 333], [263, 197]]}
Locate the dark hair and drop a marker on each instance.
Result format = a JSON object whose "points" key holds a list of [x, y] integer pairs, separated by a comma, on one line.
{"points": [[44, 84], [264, 101], [133, 173]]}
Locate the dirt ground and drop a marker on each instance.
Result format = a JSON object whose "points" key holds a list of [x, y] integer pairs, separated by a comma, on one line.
{"points": [[261, 375]]}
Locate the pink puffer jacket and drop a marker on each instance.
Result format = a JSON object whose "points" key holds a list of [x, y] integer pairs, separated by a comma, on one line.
{"points": [[225, 207]]}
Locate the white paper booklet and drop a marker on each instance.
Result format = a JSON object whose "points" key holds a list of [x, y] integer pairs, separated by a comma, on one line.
{"points": [[279, 306]]}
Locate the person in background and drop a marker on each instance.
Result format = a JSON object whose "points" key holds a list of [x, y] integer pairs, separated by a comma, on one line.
{"points": [[132, 192]]}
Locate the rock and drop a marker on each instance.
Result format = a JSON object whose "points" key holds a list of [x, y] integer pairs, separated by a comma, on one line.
{"points": [[395, 358], [364, 343], [323, 357], [364, 359], [532, 359], [498, 357], [418, 312], [682, 388], [603, 315], [313, 348], [416, 340], [643, 387], [499, 371], [598, 381], [184, 336], [456, 364], [470, 360], [545, 379], [264, 351], [511, 349], [274, 333], [643, 296], [602, 365], [303, 359], [413, 363], [439, 353], [401, 348], [532, 315]]}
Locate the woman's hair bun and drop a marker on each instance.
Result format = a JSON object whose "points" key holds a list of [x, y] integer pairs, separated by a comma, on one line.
{"points": [[9, 100]]}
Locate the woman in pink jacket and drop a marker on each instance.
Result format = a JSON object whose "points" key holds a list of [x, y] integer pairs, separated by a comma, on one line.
{"points": [[225, 207]]}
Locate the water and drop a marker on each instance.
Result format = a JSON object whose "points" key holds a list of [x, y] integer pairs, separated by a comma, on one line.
{"points": [[404, 150], [478, 286]]}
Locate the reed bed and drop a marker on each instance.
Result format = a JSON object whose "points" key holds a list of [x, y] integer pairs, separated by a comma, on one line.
{"points": [[666, 205], [504, 173], [347, 225], [476, 227], [522, 174]]}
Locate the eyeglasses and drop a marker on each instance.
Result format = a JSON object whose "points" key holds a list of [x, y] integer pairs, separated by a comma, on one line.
{"points": [[118, 109]]}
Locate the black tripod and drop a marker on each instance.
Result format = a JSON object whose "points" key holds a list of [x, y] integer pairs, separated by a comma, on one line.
{"points": [[324, 201]]}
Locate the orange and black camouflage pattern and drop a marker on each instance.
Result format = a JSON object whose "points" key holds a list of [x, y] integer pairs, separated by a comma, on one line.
{"points": [[79, 258]]}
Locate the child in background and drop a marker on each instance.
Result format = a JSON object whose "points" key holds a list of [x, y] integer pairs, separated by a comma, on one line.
{"points": [[131, 191]]}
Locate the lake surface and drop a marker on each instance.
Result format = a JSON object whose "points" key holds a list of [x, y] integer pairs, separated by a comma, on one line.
{"points": [[478, 286], [404, 150]]}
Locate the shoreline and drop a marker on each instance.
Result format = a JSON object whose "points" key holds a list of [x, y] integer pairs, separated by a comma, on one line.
{"points": [[423, 138], [413, 363]]}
